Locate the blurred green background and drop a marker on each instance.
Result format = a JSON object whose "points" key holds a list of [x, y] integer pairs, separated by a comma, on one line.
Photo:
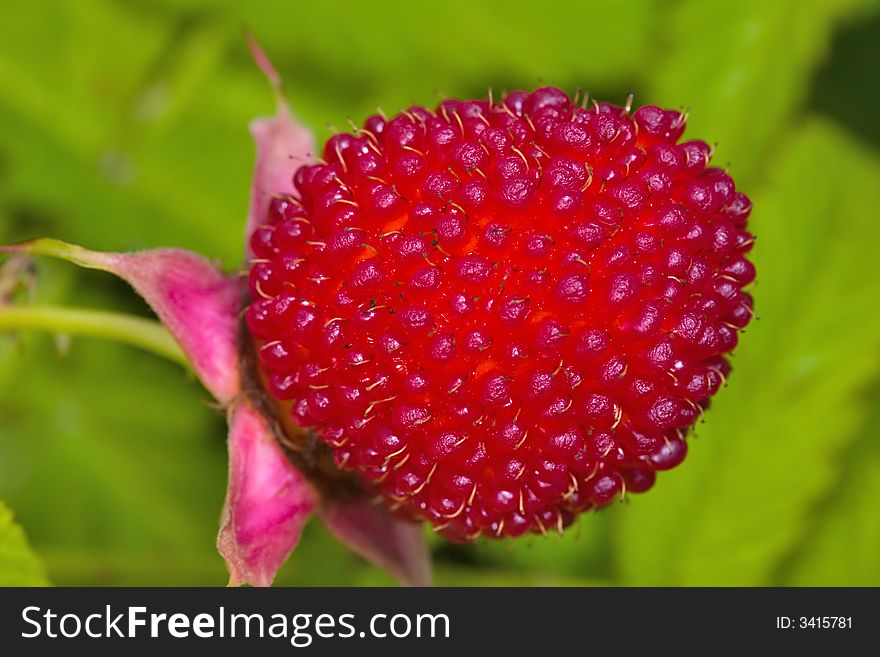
{"points": [[123, 126]]}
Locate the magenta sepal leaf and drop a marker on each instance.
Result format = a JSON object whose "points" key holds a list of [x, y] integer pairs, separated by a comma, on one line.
{"points": [[267, 501], [283, 144], [365, 527], [196, 302], [369, 529]]}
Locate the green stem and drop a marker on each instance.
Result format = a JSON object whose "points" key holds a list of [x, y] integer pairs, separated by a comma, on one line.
{"points": [[144, 333]]}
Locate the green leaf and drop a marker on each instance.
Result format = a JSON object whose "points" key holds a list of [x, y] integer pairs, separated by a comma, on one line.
{"points": [[842, 547], [772, 443], [107, 448], [743, 69], [509, 42], [117, 134], [19, 566]]}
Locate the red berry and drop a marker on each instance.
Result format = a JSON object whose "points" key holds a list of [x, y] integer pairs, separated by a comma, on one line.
{"points": [[503, 314]]}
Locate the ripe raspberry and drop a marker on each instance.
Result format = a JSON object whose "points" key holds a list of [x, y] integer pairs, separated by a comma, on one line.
{"points": [[502, 314]]}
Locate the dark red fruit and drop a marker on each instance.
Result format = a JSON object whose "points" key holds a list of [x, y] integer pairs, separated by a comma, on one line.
{"points": [[502, 314]]}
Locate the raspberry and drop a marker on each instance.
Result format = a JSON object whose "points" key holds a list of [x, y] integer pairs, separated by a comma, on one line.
{"points": [[501, 314]]}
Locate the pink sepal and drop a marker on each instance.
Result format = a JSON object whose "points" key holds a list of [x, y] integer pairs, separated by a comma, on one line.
{"points": [[371, 531], [196, 302], [283, 144], [267, 501]]}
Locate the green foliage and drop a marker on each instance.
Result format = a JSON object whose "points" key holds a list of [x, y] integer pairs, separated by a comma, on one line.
{"points": [[18, 564], [743, 69], [123, 125], [840, 548]]}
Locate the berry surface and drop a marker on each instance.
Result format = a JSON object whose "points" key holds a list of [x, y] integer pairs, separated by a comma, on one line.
{"points": [[500, 314]]}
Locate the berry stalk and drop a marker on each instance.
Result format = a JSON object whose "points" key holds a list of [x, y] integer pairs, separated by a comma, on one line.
{"points": [[144, 333]]}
